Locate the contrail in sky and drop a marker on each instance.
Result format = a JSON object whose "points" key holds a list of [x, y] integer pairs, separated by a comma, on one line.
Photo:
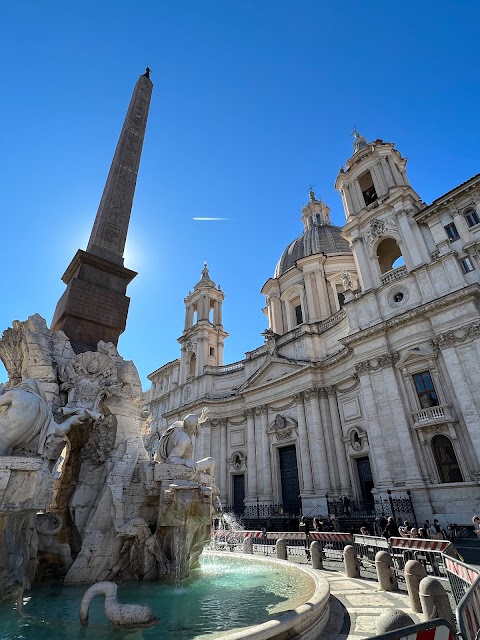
{"points": [[209, 218]]}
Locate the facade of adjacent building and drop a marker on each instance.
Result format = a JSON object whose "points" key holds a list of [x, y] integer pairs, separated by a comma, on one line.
{"points": [[367, 385]]}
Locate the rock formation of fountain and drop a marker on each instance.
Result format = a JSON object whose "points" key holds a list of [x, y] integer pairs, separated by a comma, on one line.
{"points": [[79, 495]]}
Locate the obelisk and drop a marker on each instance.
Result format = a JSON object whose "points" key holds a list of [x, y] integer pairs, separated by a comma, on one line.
{"points": [[95, 305]]}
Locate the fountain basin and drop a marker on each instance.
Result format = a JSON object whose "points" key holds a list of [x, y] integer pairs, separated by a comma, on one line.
{"points": [[224, 599]]}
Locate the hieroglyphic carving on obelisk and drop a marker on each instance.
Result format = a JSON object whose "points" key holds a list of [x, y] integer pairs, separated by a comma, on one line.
{"points": [[111, 223]]}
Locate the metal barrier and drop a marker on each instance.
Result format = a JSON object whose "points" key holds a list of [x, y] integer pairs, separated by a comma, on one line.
{"points": [[297, 543], [333, 545], [468, 612], [366, 548], [460, 577], [428, 552], [438, 629]]}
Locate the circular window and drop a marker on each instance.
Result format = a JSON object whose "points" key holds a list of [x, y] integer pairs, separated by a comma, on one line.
{"points": [[397, 296]]}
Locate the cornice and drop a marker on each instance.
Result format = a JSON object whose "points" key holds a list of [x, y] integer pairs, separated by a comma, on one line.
{"points": [[378, 362], [446, 201], [412, 314], [456, 336]]}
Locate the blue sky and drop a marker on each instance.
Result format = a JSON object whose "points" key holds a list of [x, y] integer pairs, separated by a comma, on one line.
{"points": [[253, 101]]}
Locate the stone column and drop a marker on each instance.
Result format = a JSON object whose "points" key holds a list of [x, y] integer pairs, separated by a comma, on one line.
{"points": [[358, 195], [206, 444], [325, 310], [252, 489], [408, 240], [306, 465], [378, 459], [402, 427], [266, 471], [362, 263], [349, 200], [311, 316], [223, 461], [277, 318], [466, 395], [461, 225], [387, 172], [326, 422], [345, 486], [318, 451]]}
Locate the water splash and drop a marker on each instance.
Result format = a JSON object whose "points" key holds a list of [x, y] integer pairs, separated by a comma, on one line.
{"points": [[226, 534]]}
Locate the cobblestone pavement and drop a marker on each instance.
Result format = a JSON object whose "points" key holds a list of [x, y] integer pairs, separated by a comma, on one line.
{"points": [[356, 604]]}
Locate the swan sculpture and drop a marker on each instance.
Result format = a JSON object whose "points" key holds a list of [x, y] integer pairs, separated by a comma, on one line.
{"points": [[120, 615]]}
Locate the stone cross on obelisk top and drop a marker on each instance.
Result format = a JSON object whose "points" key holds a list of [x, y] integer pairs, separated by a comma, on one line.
{"points": [[94, 306], [109, 232]]}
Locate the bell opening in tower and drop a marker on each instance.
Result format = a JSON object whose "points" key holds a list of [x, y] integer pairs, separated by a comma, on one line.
{"points": [[367, 187]]}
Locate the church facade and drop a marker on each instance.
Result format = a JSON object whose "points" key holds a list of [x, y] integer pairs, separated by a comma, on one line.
{"points": [[367, 385]]}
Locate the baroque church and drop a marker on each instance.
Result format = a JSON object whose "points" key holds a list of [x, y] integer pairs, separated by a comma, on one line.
{"points": [[365, 390]]}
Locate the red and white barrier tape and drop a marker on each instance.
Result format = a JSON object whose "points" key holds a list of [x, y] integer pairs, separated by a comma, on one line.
{"points": [[419, 544], [466, 573]]}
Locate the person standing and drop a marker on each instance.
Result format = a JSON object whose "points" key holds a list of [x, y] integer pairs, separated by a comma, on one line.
{"points": [[391, 529]]}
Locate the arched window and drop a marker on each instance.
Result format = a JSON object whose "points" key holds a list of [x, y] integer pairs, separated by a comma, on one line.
{"points": [[389, 255], [471, 216], [446, 460]]}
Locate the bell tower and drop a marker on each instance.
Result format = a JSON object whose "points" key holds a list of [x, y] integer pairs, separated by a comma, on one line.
{"points": [[380, 206], [203, 334]]}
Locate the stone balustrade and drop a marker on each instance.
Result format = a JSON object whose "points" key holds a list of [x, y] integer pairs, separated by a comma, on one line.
{"points": [[228, 368], [430, 415], [393, 274]]}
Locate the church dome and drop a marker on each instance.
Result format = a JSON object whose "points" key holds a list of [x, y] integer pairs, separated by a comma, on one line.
{"points": [[319, 236]]}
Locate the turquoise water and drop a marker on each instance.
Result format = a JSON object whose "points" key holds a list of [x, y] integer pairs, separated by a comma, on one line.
{"points": [[223, 594]]}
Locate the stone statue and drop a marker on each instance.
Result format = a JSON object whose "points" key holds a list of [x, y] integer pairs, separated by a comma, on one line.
{"points": [[347, 281], [138, 553], [88, 378], [120, 615], [48, 525], [24, 416], [175, 445]]}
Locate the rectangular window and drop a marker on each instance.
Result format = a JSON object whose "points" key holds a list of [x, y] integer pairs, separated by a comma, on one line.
{"points": [[471, 216], [452, 232], [466, 265], [298, 314], [427, 395], [368, 190], [212, 351]]}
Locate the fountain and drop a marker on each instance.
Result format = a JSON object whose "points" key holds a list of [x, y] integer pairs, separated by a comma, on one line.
{"points": [[81, 502]]}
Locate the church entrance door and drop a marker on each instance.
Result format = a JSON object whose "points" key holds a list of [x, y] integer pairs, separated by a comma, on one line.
{"points": [[289, 479], [365, 479], [238, 493]]}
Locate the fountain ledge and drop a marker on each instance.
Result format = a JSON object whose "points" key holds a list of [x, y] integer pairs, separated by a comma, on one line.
{"points": [[306, 622]]}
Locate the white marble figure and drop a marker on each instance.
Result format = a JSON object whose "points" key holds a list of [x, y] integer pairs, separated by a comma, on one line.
{"points": [[175, 445], [88, 378], [120, 615], [48, 525], [24, 415], [347, 281]]}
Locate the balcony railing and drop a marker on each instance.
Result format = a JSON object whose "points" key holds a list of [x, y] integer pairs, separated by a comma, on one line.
{"points": [[430, 415], [393, 274], [228, 368]]}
